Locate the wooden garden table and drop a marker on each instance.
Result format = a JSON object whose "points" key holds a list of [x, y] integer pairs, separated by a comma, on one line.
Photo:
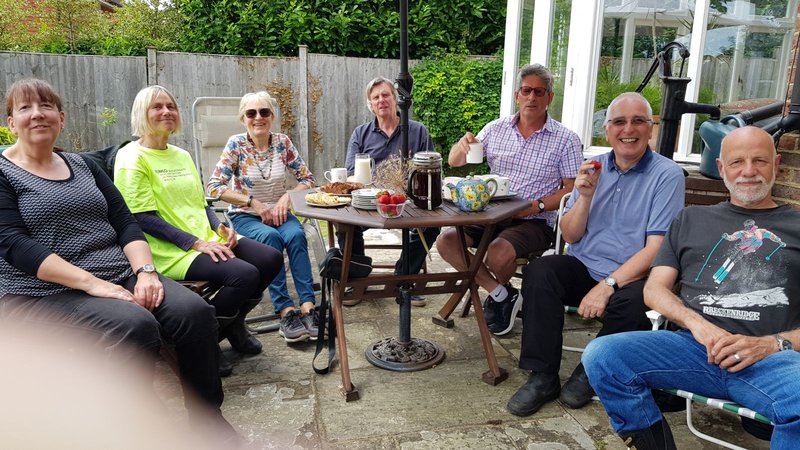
{"points": [[347, 218]]}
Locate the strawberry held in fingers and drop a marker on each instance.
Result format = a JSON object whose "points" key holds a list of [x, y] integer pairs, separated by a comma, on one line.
{"points": [[596, 165]]}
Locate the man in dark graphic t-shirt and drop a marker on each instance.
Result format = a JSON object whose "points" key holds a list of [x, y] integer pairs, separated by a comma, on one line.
{"points": [[739, 309]]}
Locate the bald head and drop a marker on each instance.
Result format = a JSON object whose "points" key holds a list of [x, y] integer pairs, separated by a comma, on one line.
{"points": [[748, 164], [753, 136]]}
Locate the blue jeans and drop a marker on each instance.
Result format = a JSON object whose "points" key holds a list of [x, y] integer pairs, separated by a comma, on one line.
{"points": [[290, 237], [622, 368]]}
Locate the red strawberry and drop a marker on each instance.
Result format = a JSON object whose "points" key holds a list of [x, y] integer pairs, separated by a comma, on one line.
{"points": [[384, 199], [596, 165], [398, 199]]}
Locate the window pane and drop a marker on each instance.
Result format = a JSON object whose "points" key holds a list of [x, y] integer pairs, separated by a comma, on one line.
{"points": [[558, 47], [633, 33], [558, 54]]}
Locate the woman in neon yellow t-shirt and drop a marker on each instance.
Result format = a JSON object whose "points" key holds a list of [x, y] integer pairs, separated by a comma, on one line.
{"points": [[161, 186]]}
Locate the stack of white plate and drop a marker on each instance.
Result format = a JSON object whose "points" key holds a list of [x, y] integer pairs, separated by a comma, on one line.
{"points": [[365, 198]]}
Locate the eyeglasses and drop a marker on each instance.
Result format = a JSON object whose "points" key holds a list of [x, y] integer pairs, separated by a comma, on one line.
{"points": [[635, 121], [263, 112], [525, 91]]}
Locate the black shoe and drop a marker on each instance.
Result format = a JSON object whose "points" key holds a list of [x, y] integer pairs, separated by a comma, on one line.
{"points": [[224, 367], [506, 312], [540, 389], [577, 391], [489, 311], [657, 437], [758, 429], [245, 343]]}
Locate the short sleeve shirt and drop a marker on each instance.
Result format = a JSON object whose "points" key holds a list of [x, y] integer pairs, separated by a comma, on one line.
{"points": [[535, 166], [626, 208], [738, 267], [166, 182]]}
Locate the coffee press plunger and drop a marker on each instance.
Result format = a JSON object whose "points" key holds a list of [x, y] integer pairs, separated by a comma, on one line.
{"points": [[425, 180]]}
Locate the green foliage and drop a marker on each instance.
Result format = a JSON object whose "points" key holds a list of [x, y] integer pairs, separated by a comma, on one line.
{"points": [[363, 28], [6, 136], [141, 24], [78, 26], [108, 116], [454, 94]]}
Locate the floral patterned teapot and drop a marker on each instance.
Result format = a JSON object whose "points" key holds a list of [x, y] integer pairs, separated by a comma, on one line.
{"points": [[472, 194]]}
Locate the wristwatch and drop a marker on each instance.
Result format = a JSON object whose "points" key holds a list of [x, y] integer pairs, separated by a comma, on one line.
{"points": [[783, 343], [540, 204], [147, 268], [611, 281]]}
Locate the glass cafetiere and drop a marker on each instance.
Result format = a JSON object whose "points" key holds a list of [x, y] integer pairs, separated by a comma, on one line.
{"points": [[425, 180]]}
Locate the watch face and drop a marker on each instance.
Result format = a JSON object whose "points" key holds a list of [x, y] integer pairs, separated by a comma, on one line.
{"points": [[785, 344], [610, 281], [147, 268]]}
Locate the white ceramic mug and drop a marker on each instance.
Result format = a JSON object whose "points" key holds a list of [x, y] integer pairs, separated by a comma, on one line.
{"points": [[362, 172], [503, 185], [336, 174], [475, 154], [445, 189]]}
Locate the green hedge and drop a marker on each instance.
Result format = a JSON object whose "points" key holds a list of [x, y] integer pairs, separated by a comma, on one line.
{"points": [[6, 136], [454, 94]]}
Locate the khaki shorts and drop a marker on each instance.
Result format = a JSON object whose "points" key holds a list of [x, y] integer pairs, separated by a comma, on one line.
{"points": [[527, 236]]}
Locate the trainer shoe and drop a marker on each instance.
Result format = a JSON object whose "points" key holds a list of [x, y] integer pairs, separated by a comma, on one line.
{"points": [[506, 312], [292, 328], [489, 310], [352, 301], [418, 300], [311, 322]]}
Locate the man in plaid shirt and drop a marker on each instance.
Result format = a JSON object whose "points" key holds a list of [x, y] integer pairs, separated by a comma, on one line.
{"points": [[541, 158]]}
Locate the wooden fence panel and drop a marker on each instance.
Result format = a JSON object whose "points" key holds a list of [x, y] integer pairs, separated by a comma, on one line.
{"points": [[337, 103], [189, 76], [87, 85]]}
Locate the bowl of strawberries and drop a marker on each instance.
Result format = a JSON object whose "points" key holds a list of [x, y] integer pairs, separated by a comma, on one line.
{"points": [[390, 205]]}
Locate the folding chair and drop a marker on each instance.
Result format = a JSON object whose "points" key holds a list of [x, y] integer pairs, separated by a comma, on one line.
{"points": [[215, 119], [659, 322]]}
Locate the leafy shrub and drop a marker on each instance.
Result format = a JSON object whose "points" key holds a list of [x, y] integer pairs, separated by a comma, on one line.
{"points": [[454, 94], [6, 136]]}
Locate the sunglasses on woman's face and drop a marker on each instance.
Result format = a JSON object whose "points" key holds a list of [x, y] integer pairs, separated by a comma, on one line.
{"points": [[263, 112]]}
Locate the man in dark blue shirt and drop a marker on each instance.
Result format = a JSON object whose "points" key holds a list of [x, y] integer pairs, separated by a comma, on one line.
{"points": [[380, 139]]}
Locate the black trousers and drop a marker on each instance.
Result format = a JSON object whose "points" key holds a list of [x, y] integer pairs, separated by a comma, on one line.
{"points": [[417, 253], [238, 279], [551, 282]]}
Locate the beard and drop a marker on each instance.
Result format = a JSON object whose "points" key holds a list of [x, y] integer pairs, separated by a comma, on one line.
{"points": [[749, 194]]}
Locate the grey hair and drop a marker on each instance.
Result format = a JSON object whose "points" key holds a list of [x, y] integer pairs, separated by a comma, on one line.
{"points": [[375, 82], [262, 97], [628, 95], [537, 70]]}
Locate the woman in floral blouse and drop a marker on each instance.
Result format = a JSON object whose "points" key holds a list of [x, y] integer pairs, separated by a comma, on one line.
{"points": [[256, 162]]}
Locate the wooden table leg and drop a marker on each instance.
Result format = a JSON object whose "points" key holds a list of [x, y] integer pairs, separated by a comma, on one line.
{"points": [[347, 388], [442, 318], [495, 374]]}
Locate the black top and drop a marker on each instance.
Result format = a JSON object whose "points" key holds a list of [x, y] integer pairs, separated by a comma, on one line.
{"points": [[83, 219]]}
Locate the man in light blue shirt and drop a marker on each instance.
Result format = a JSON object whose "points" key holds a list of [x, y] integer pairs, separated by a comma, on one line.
{"points": [[621, 207]]}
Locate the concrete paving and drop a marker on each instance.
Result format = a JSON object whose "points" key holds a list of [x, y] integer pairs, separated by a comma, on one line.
{"points": [[278, 402]]}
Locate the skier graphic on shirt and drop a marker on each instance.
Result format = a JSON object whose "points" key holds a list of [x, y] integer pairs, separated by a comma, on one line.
{"points": [[751, 238]]}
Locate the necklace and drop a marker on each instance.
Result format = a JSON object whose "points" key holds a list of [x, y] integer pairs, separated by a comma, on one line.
{"points": [[262, 157]]}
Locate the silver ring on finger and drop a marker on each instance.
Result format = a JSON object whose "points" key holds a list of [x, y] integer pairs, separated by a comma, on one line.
{"points": [[737, 358]]}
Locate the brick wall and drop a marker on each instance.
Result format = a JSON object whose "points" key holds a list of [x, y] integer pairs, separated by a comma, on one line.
{"points": [[787, 186]]}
